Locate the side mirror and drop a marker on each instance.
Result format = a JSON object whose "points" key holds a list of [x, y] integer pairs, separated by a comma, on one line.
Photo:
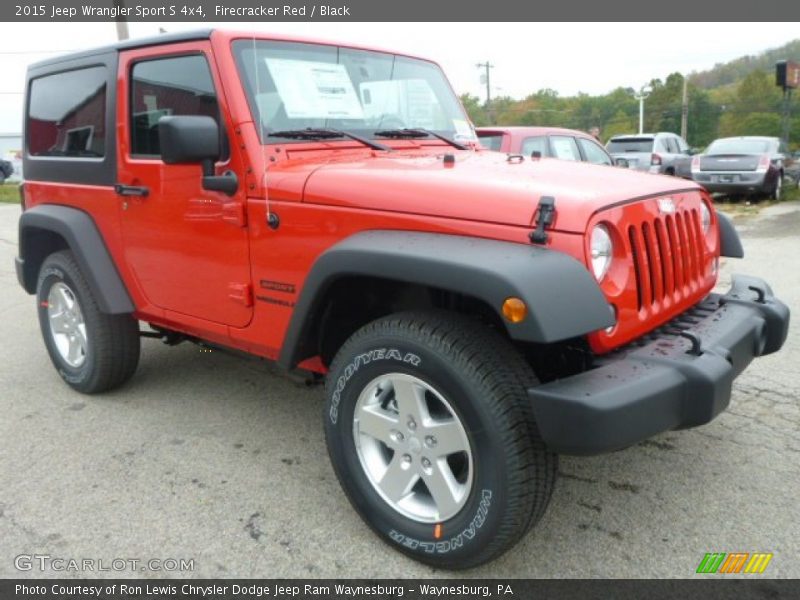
{"points": [[622, 162], [189, 139], [691, 151]]}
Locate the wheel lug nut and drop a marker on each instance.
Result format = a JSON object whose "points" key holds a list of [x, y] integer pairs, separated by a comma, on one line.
{"points": [[426, 463], [406, 460], [430, 441], [412, 424]]}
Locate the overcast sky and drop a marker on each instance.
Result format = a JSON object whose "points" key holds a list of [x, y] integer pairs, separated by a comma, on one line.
{"points": [[567, 57]]}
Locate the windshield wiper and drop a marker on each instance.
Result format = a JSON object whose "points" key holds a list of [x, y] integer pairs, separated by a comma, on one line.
{"points": [[325, 133], [418, 132]]}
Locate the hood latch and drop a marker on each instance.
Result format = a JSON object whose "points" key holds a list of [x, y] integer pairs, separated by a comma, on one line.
{"points": [[545, 213]]}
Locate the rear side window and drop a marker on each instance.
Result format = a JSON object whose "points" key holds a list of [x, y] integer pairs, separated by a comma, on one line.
{"points": [[534, 144], [67, 114], [492, 141], [565, 148], [180, 85], [593, 152]]}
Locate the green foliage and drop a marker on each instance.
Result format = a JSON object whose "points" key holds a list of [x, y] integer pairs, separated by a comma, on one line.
{"points": [[735, 98], [735, 70], [9, 192]]}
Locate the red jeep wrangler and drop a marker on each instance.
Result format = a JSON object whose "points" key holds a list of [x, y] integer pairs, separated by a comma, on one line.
{"points": [[328, 207]]}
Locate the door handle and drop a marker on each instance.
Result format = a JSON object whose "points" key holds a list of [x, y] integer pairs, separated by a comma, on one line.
{"points": [[131, 190]]}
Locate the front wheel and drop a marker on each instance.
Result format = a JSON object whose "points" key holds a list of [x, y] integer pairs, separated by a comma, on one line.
{"points": [[431, 435]]}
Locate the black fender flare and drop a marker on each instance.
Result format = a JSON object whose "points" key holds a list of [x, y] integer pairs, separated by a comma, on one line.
{"points": [[84, 240], [729, 241], [563, 298]]}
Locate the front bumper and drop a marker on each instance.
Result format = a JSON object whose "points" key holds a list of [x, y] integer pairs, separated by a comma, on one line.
{"points": [[679, 376]]}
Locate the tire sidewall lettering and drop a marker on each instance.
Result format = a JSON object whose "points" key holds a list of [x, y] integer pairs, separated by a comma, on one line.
{"points": [[472, 526], [453, 542], [361, 360]]}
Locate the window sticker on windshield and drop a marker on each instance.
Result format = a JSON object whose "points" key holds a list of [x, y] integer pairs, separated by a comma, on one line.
{"points": [[314, 90], [409, 101]]}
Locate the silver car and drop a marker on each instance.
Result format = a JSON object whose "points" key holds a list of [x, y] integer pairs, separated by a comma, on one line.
{"points": [[747, 165], [664, 153]]}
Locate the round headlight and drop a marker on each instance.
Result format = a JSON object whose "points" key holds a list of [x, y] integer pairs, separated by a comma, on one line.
{"points": [[602, 250], [705, 215]]}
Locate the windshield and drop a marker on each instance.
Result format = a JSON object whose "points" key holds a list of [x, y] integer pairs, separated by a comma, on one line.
{"points": [[293, 86], [630, 145], [738, 146]]}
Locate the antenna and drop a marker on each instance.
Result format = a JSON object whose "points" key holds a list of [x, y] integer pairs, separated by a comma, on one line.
{"points": [[264, 161]]}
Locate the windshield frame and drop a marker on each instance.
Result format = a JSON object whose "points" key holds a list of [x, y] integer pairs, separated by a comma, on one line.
{"points": [[240, 46]]}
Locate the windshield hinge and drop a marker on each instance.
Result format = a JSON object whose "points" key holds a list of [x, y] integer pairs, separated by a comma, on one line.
{"points": [[545, 213]]}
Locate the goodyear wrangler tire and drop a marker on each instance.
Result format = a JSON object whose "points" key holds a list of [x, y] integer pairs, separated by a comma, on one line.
{"points": [[92, 351], [431, 435]]}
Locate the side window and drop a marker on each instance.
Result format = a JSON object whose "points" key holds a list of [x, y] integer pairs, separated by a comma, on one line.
{"points": [[593, 152], [534, 144], [663, 145], [565, 147], [67, 114], [180, 85], [492, 141]]}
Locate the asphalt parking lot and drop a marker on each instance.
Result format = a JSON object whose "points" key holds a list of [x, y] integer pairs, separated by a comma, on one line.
{"points": [[221, 460]]}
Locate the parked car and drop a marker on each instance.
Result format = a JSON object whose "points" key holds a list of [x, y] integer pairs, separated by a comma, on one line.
{"points": [[6, 170], [473, 316], [664, 153], [554, 142], [747, 165]]}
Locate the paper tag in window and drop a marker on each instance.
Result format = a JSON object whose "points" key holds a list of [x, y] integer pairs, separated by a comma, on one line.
{"points": [[463, 130], [314, 90]]}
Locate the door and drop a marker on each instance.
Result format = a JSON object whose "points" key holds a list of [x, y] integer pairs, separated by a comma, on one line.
{"points": [[187, 247]]}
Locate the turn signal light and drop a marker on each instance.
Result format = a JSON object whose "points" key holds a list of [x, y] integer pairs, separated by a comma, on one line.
{"points": [[515, 310]]}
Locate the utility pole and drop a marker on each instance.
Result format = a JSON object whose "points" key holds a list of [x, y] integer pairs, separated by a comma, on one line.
{"points": [[487, 66], [787, 114], [122, 22], [685, 109], [787, 76], [641, 96]]}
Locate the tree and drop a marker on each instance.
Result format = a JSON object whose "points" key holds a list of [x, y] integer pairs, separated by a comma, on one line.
{"points": [[474, 108]]}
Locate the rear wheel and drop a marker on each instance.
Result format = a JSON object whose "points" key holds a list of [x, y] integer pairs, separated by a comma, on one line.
{"points": [[431, 435], [92, 351]]}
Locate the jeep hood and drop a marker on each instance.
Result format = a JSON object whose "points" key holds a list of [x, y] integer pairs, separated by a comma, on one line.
{"points": [[481, 186]]}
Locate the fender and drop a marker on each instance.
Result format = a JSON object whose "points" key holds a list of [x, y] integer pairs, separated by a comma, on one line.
{"points": [[84, 240], [730, 244], [563, 298]]}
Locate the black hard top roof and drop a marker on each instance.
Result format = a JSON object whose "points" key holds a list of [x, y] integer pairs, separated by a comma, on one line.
{"points": [[156, 40]]}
